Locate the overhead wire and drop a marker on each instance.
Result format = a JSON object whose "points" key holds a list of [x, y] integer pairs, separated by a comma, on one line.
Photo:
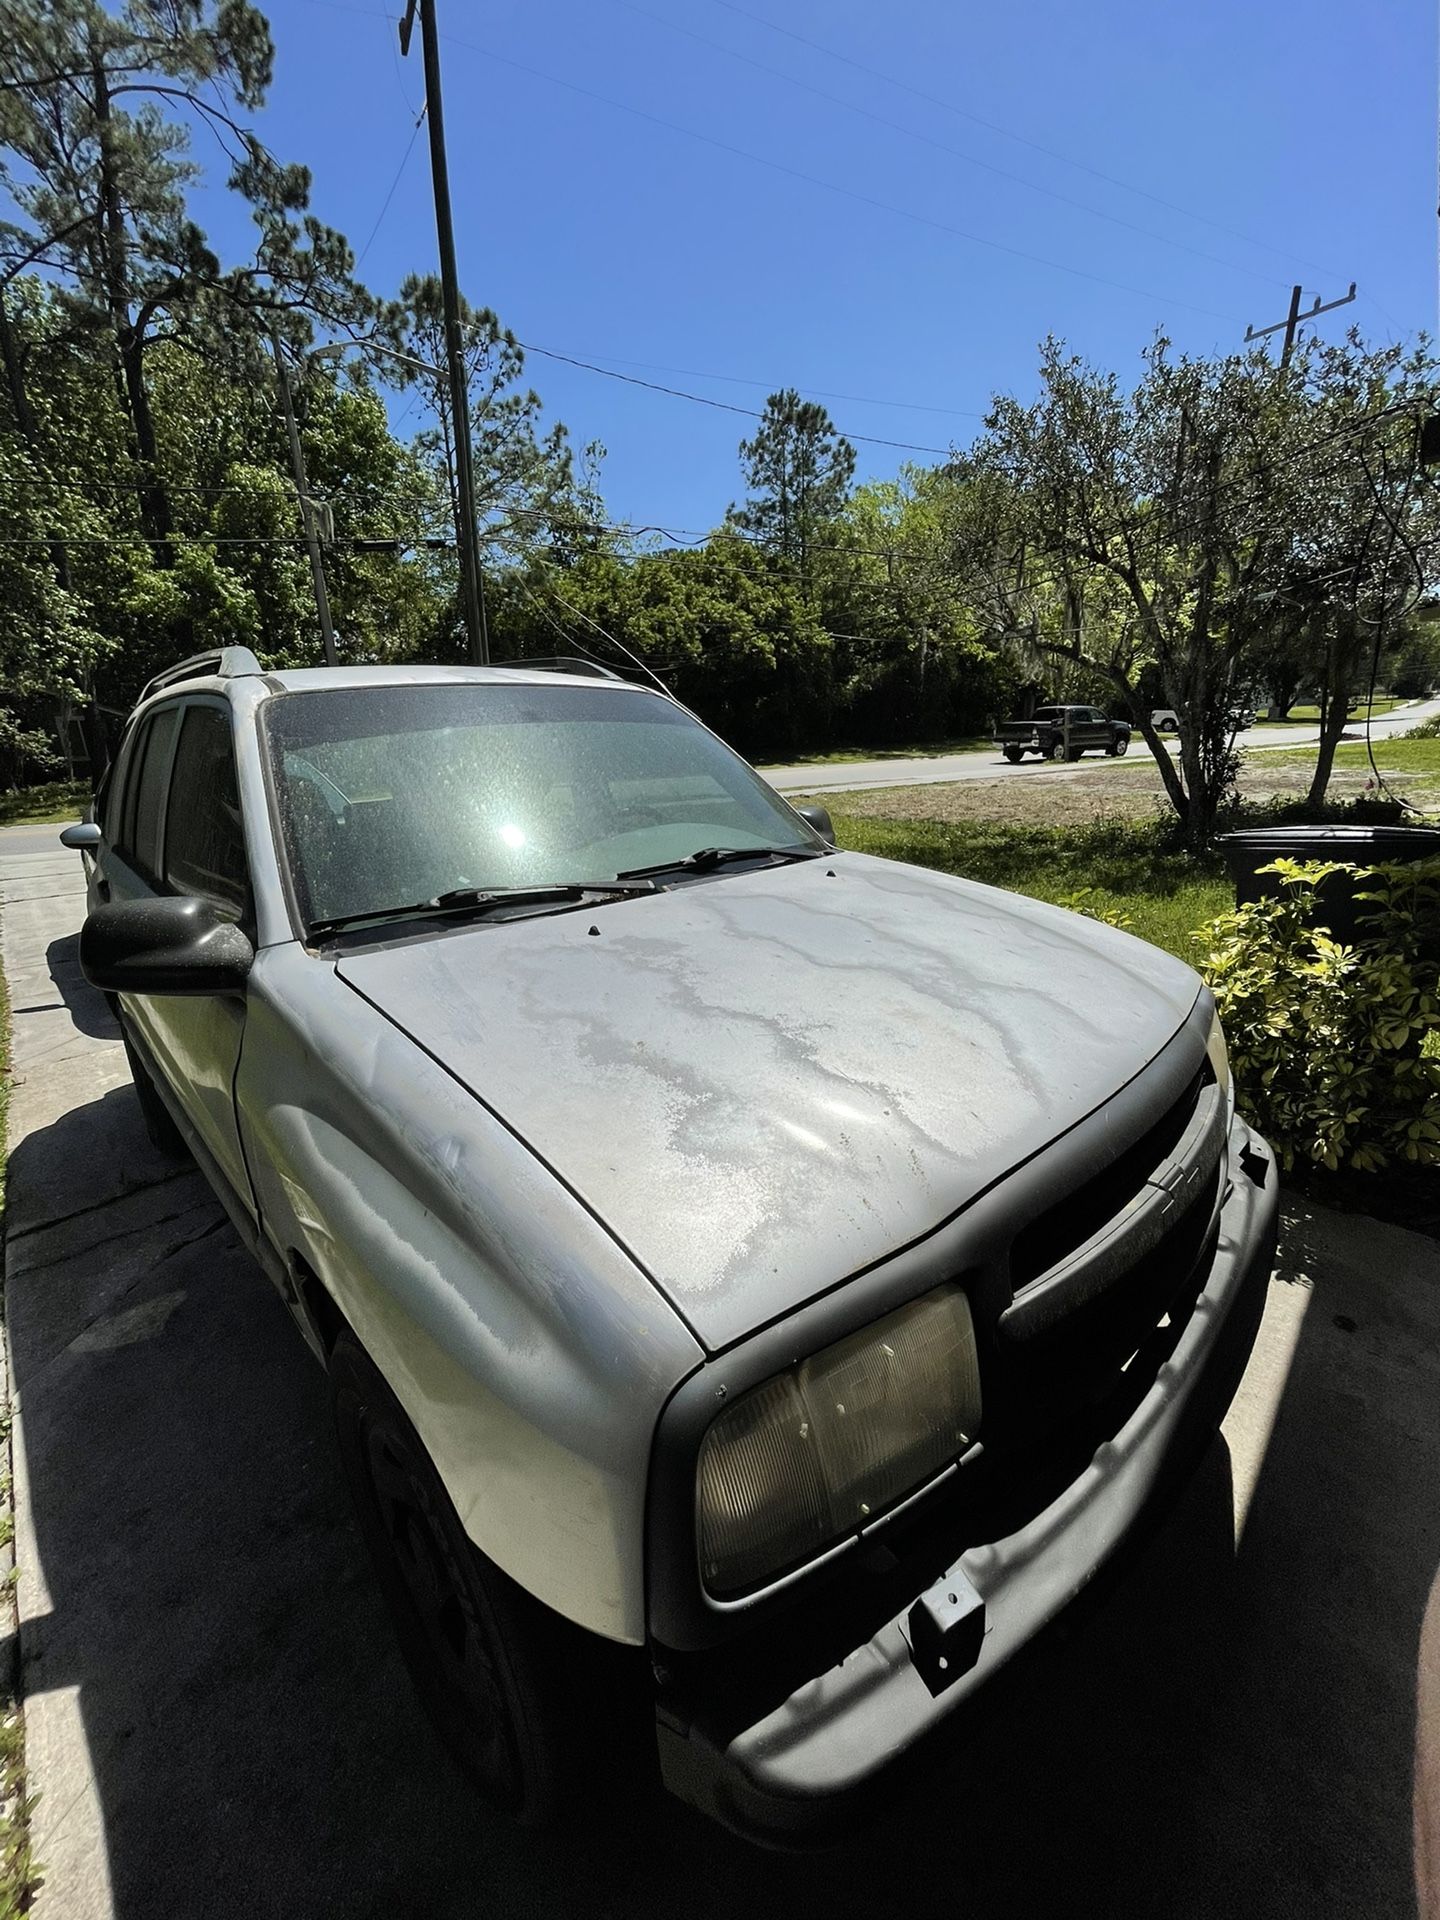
{"points": [[689, 537], [385, 203], [832, 186], [1008, 133], [806, 391], [942, 146], [707, 400]]}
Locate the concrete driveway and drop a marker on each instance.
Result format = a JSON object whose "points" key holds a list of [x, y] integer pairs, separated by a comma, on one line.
{"points": [[218, 1724], [986, 763]]}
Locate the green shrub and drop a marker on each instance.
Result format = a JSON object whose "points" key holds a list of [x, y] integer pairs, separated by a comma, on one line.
{"points": [[1328, 1043], [1427, 729]]}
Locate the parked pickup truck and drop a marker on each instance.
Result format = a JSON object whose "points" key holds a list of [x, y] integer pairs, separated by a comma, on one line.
{"points": [[1061, 733], [760, 1285]]}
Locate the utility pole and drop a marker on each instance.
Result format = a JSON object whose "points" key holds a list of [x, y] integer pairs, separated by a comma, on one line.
{"points": [[307, 512], [465, 530], [1292, 319]]}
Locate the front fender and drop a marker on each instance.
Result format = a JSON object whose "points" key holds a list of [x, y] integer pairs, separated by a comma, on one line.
{"points": [[530, 1352]]}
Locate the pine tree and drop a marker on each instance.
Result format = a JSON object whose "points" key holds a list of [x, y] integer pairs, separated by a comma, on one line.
{"points": [[799, 470]]}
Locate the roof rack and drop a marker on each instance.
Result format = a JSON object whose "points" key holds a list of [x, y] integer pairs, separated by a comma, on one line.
{"points": [[563, 663], [223, 663]]}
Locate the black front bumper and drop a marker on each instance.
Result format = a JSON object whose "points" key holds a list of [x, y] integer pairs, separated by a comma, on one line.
{"points": [[803, 1769]]}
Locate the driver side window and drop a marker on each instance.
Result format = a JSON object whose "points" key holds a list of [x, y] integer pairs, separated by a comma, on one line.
{"points": [[204, 838]]}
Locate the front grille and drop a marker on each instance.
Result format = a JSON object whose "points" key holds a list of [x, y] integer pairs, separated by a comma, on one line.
{"points": [[1095, 1274], [1070, 1222]]}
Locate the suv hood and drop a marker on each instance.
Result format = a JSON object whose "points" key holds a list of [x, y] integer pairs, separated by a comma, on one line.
{"points": [[767, 1080]]}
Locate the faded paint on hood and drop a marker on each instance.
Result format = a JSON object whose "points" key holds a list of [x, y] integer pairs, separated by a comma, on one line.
{"points": [[764, 1081]]}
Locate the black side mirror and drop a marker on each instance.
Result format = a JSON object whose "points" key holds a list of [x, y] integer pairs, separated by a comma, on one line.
{"points": [[83, 837], [170, 945], [819, 819]]}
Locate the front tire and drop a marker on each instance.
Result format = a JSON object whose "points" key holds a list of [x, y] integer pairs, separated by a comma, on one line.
{"points": [[484, 1657], [165, 1136], [1120, 747]]}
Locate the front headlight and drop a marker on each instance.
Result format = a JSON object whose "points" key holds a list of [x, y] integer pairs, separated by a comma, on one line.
{"points": [[1219, 1060], [816, 1453]]}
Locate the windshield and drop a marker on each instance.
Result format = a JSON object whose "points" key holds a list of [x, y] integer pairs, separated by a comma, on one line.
{"points": [[391, 795]]}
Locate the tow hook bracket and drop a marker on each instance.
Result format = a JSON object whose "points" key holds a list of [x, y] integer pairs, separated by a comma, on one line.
{"points": [[1254, 1165], [946, 1630]]}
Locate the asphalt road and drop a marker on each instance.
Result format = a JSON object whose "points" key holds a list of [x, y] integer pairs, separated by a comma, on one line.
{"points": [[987, 764], [218, 1723]]}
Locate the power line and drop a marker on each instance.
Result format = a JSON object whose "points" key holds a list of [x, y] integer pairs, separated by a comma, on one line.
{"points": [[1008, 133], [704, 400], [941, 146], [385, 204], [1347, 430], [633, 528], [831, 186], [806, 391]]}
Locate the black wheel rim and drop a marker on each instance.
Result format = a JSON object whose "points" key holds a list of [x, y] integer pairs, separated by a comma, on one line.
{"points": [[459, 1680]]}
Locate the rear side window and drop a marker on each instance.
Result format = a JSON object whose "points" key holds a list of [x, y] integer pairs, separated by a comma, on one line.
{"points": [[110, 801], [143, 836], [204, 841]]}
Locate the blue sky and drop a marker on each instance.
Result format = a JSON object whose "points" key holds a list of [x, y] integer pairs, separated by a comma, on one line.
{"points": [[1083, 138]]}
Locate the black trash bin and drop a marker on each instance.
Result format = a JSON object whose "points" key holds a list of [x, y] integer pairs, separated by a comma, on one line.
{"points": [[1338, 911]]}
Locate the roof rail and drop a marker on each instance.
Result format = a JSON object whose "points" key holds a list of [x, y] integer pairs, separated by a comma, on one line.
{"points": [[224, 663], [563, 663]]}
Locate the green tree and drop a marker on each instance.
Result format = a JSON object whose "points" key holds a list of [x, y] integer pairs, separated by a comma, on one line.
{"points": [[799, 470], [1367, 521], [1149, 530], [912, 660], [96, 166], [530, 487], [723, 627]]}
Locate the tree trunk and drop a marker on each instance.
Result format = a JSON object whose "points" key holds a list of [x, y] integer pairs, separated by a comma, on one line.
{"points": [[15, 374], [155, 515], [1334, 701], [1170, 776]]}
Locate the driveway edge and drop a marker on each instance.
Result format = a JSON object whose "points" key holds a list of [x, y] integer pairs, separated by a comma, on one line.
{"points": [[19, 1875]]}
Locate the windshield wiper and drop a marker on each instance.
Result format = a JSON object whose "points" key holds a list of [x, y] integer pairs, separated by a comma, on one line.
{"points": [[482, 900], [704, 858]]}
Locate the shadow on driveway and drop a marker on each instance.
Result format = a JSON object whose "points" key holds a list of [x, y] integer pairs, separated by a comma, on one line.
{"points": [[88, 1009], [1225, 1734]]}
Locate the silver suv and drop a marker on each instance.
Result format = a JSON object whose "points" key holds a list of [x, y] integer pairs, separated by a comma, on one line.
{"points": [[770, 1279]]}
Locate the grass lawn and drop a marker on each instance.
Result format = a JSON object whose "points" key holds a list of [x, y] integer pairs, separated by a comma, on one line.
{"points": [[1165, 895], [1310, 716], [847, 756], [1399, 756], [33, 806]]}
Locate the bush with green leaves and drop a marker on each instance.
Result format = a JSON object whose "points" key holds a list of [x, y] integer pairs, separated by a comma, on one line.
{"points": [[1330, 1043]]}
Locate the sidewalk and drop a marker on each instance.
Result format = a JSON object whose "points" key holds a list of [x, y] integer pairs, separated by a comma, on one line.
{"points": [[218, 1725]]}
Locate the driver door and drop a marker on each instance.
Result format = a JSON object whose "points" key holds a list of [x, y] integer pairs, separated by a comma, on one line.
{"points": [[187, 838]]}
